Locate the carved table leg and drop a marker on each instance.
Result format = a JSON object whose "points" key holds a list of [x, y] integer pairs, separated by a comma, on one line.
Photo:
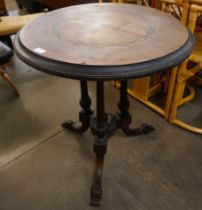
{"points": [[100, 146], [84, 115], [125, 117]]}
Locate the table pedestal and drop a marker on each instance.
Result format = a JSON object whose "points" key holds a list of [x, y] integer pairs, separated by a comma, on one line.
{"points": [[103, 126]]}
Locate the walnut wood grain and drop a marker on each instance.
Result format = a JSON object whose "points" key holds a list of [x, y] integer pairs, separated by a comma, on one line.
{"points": [[107, 34], [84, 41]]}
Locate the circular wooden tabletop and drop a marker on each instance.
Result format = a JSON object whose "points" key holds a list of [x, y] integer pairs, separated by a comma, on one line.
{"points": [[104, 41]]}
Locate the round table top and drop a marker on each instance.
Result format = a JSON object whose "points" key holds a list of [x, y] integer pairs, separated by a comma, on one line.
{"points": [[104, 41]]}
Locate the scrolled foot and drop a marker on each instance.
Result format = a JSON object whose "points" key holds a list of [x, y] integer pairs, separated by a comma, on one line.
{"points": [[74, 126], [145, 128], [80, 126], [124, 125]]}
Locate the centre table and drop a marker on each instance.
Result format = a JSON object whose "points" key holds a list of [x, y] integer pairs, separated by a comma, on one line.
{"points": [[102, 42]]}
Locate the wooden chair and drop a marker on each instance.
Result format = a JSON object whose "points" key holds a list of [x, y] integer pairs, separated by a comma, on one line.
{"points": [[5, 56], [186, 71], [3, 12], [178, 8], [144, 88], [144, 2], [11, 24], [196, 80]]}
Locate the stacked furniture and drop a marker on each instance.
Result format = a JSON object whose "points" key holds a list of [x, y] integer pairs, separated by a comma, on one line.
{"points": [[176, 84], [143, 89], [189, 69]]}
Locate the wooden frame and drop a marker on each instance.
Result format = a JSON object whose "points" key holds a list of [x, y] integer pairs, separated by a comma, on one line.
{"points": [[8, 80], [141, 88], [184, 74], [12, 24]]}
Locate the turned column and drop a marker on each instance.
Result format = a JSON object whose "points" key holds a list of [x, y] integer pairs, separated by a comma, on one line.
{"points": [[84, 114], [100, 145]]}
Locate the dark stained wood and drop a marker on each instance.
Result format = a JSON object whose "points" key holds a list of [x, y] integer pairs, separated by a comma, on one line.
{"points": [[105, 34], [82, 42], [100, 145], [103, 42], [55, 4], [85, 113], [2, 7], [103, 126], [125, 120]]}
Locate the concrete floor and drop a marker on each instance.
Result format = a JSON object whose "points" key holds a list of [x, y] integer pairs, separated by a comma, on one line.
{"points": [[44, 167]]}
